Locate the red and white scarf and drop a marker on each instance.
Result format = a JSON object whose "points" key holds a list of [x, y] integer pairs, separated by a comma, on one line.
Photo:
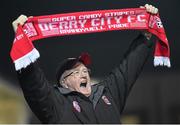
{"points": [[23, 52]]}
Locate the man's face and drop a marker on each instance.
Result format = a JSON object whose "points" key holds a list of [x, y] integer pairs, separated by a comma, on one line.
{"points": [[78, 79]]}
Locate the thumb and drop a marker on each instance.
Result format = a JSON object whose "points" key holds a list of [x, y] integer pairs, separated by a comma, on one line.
{"points": [[141, 7]]}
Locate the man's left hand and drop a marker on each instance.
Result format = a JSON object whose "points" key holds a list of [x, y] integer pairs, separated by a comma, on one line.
{"points": [[153, 10]]}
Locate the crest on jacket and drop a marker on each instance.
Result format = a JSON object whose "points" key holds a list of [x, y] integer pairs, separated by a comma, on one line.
{"points": [[76, 106], [106, 100]]}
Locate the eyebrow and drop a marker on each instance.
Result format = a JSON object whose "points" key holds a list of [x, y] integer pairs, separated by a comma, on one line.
{"points": [[68, 74], [78, 69]]}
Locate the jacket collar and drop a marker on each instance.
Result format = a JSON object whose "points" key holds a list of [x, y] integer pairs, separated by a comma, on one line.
{"points": [[64, 90], [97, 91], [95, 88]]}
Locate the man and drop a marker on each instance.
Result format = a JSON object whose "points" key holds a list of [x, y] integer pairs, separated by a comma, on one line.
{"points": [[74, 99]]}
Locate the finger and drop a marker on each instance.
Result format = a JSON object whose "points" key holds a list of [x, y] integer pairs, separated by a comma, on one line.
{"points": [[22, 17], [147, 5], [141, 7], [151, 9], [30, 17], [156, 10], [20, 20], [14, 24]]}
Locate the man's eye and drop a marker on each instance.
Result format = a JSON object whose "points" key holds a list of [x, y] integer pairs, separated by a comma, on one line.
{"points": [[76, 72], [85, 71]]}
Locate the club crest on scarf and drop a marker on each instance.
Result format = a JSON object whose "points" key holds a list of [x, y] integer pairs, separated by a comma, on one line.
{"points": [[155, 21], [106, 100], [76, 106]]}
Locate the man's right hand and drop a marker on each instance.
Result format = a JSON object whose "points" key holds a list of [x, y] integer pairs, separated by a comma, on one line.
{"points": [[19, 21]]}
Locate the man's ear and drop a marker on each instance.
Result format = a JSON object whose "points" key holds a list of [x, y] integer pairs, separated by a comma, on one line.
{"points": [[64, 84]]}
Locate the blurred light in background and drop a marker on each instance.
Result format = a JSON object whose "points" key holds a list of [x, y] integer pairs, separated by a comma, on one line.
{"points": [[12, 106]]}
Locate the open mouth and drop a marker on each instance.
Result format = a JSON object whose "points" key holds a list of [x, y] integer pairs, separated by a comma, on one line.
{"points": [[83, 84]]}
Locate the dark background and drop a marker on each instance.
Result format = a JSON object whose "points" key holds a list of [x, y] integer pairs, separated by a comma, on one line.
{"points": [[154, 99]]}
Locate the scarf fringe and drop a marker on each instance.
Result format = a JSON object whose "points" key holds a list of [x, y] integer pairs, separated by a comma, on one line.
{"points": [[162, 60], [27, 59]]}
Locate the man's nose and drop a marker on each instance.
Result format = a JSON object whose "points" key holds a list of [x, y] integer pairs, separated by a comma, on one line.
{"points": [[83, 75]]}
